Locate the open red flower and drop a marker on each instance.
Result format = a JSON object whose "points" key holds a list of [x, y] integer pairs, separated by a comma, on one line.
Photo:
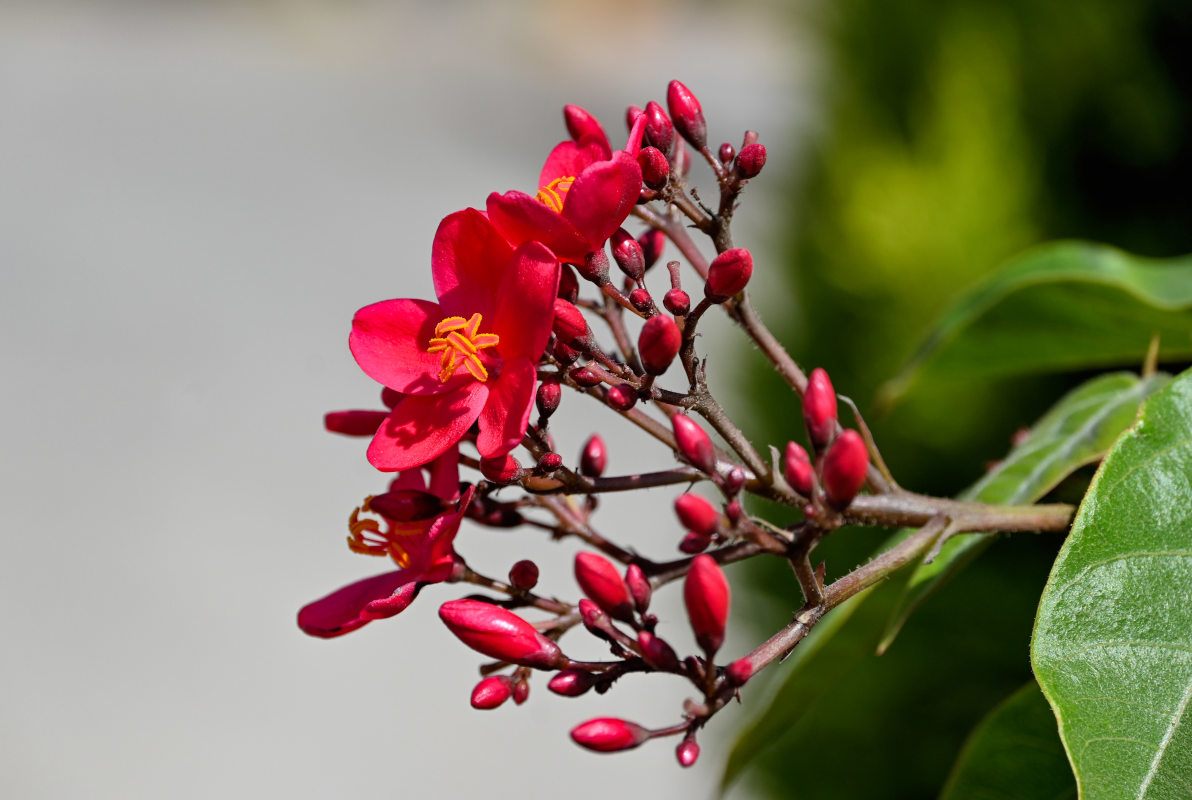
{"points": [[469, 357], [584, 194], [422, 546]]}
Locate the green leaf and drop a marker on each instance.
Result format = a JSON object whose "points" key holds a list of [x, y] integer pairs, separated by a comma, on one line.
{"points": [[1078, 430], [1061, 306], [1112, 646], [1013, 754]]}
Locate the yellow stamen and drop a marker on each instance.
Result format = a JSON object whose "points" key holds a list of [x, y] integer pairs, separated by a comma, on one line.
{"points": [[554, 193], [460, 342]]}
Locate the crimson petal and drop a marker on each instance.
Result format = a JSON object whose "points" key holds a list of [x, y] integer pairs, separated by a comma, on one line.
{"points": [[464, 256], [389, 341], [506, 415], [421, 429], [525, 302], [343, 611], [602, 197], [523, 219]]}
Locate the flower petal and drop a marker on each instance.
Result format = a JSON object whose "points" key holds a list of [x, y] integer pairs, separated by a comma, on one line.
{"points": [[602, 197], [523, 219], [464, 256], [342, 611], [389, 341], [569, 159], [421, 429], [525, 302], [444, 475], [506, 415]]}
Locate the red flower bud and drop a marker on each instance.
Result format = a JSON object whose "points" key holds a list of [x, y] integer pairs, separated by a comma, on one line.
{"points": [[652, 241], [521, 691], [694, 443], [641, 300], [819, 409], [354, 423], [406, 505], [844, 468], [728, 274], [726, 153], [628, 254], [694, 542], [654, 166], [594, 457], [739, 671], [733, 482], [594, 268], [601, 581], [659, 131], [751, 160], [568, 284], [593, 618], [622, 397], [687, 114], [500, 634], [658, 343], [571, 682], [492, 692], [547, 398], [639, 587], [580, 124], [797, 469], [501, 469], [677, 301], [524, 574], [631, 115], [733, 511], [585, 376], [657, 653], [565, 354], [687, 752], [550, 462], [608, 735], [570, 325], [697, 514], [706, 595]]}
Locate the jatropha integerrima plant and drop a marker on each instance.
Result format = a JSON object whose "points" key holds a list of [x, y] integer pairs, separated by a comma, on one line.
{"points": [[531, 318]]}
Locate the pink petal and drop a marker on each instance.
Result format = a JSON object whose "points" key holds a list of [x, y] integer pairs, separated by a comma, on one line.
{"points": [[525, 302], [523, 219], [569, 159], [392, 605], [464, 256], [389, 341], [602, 197], [421, 429], [408, 480], [506, 415], [342, 611]]}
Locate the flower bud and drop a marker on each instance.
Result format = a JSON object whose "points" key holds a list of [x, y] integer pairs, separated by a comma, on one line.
{"points": [[500, 634], [706, 595], [521, 691], [659, 131], [677, 301], [571, 682], [657, 653], [631, 115], [586, 376], [697, 514], [581, 124], [550, 462], [797, 469], [570, 325], [501, 469], [608, 735], [594, 457], [694, 542], [568, 284], [687, 752], [564, 353], [639, 587], [844, 468], [622, 397], [354, 423], [733, 481], [739, 671], [734, 512], [694, 444], [658, 343], [728, 274], [628, 254], [687, 115], [751, 160], [726, 153], [654, 166], [548, 397], [524, 575], [594, 268], [641, 300], [406, 505], [653, 242], [601, 581], [492, 692], [819, 408]]}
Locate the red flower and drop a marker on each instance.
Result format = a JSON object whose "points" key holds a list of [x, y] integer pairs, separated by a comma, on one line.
{"points": [[423, 548], [584, 194], [469, 357]]}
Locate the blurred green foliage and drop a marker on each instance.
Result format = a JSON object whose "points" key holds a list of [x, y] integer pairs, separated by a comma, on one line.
{"points": [[956, 133]]}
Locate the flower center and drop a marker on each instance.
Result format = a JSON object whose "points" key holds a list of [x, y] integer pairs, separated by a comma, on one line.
{"points": [[554, 193], [460, 342], [366, 537]]}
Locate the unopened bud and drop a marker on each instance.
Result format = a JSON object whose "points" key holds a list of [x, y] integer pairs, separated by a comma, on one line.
{"points": [[687, 115], [622, 397], [728, 274], [706, 595], [677, 301], [697, 514], [654, 166], [492, 692], [657, 653], [501, 469], [819, 408], [601, 581], [594, 268], [726, 153], [594, 457], [733, 481], [751, 160], [571, 682], [570, 325], [500, 634], [797, 469], [628, 254], [406, 505], [639, 587], [659, 131], [844, 468], [548, 397], [549, 462], [739, 671], [734, 512], [564, 353], [608, 735], [568, 284], [658, 343], [641, 300], [524, 575], [694, 542], [521, 691], [354, 423], [653, 242], [687, 752], [585, 376], [694, 444], [581, 124]]}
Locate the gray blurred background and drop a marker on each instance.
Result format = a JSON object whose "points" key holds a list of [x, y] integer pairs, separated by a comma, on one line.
{"points": [[194, 199]]}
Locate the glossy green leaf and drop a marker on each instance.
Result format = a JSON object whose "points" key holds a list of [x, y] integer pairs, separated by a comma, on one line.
{"points": [[1062, 306], [1112, 646], [1077, 431], [1013, 754]]}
